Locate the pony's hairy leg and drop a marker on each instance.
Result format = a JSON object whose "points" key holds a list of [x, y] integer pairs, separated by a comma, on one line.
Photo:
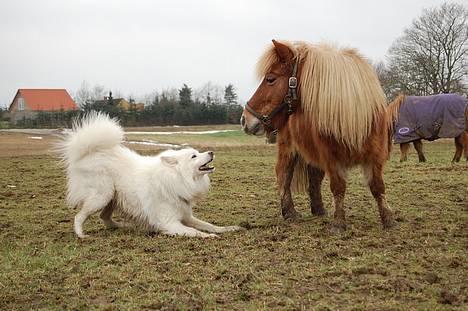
{"points": [[458, 148], [284, 174], [374, 173], [418, 145], [404, 151], [316, 175], [338, 188]]}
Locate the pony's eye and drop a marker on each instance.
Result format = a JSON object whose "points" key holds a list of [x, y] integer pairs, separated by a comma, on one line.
{"points": [[270, 79], [194, 156]]}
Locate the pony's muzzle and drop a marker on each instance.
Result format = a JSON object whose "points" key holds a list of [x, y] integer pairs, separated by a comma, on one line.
{"points": [[251, 125]]}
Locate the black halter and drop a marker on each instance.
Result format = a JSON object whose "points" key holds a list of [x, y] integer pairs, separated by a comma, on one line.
{"points": [[288, 101]]}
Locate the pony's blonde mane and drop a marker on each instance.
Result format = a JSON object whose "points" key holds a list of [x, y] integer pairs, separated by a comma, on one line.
{"points": [[340, 92]]}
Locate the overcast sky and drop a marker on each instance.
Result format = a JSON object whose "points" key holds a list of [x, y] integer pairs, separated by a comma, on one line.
{"points": [[136, 47]]}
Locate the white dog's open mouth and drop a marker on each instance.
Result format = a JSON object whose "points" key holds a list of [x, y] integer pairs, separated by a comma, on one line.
{"points": [[206, 167]]}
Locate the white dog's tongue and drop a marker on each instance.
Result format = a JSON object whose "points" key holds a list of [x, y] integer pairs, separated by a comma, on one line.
{"points": [[206, 167]]}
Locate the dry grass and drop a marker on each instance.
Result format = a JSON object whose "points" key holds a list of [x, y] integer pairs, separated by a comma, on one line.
{"points": [[273, 265]]}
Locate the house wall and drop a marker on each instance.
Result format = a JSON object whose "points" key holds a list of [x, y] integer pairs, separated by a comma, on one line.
{"points": [[124, 105], [18, 115]]}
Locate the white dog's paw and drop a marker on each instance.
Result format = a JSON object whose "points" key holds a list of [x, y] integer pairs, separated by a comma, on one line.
{"points": [[232, 228], [210, 235]]}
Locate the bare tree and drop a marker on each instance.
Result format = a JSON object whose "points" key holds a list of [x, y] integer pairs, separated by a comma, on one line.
{"points": [[432, 55], [98, 92], [83, 94]]}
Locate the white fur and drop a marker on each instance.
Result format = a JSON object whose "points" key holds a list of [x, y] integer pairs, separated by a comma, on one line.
{"points": [[157, 191]]}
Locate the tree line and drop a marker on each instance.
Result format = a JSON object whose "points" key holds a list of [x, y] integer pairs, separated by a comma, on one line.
{"points": [[173, 107]]}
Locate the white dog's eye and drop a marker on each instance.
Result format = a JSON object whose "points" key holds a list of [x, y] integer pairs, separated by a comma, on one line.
{"points": [[194, 156]]}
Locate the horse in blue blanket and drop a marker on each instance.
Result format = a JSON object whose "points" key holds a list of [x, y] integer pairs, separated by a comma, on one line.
{"points": [[429, 117]]}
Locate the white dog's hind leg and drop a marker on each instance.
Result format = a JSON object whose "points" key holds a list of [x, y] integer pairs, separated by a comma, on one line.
{"points": [[206, 226], [178, 228], [106, 215], [91, 205]]}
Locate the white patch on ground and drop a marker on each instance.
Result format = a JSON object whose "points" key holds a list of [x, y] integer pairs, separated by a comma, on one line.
{"points": [[35, 137], [181, 132]]}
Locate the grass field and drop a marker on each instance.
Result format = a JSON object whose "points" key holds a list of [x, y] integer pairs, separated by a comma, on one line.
{"points": [[275, 264]]}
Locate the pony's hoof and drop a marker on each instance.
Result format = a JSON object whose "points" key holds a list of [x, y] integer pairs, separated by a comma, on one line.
{"points": [[291, 215], [392, 224], [318, 211]]}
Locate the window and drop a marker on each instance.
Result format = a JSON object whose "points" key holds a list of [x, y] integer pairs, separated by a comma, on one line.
{"points": [[20, 104]]}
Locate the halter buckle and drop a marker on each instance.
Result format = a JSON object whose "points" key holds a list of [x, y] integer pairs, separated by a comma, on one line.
{"points": [[266, 119], [292, 82]]}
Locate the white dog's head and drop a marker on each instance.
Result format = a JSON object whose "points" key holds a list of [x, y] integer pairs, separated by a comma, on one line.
{"points": [[189, 161]]}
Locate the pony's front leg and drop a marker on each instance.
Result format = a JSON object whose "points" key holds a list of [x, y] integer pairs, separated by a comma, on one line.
{"points": [[338, 188], [315, 194], [284, 174], [404, 151]]}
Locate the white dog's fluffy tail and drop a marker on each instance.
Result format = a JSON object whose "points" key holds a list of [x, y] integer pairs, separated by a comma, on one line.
{"points": [[93, 132]]}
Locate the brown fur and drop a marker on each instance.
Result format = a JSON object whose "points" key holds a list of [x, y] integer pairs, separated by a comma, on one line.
{"points": [[301, 138], [461, 141]]}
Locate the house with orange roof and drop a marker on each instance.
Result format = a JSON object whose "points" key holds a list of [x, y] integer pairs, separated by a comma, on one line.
{"points": [[27, 103]]}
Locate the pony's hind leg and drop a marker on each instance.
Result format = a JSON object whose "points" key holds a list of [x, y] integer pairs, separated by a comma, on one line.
{"points": [[458, 148], [404, 151], [374, 174], [418, 145], [465, 142], [338, 188], [284, 174], [315, 183]]}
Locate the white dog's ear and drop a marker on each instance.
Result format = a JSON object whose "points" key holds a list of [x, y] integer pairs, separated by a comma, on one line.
{"points": [[170, 161]]}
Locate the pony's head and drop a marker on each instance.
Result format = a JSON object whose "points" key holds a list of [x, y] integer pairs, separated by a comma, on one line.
{"points": [[338, 91], [268, 109]]}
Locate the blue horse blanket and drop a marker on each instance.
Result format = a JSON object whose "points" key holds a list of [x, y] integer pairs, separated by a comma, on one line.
{"points": [[430, 117]]}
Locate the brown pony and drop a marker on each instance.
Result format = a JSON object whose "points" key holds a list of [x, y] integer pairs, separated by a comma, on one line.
{"points": [[461, 141], [327, 110]]}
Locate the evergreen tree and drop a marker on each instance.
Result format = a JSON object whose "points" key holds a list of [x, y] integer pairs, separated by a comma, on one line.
{"points": [[185, 96], [230, 96]]}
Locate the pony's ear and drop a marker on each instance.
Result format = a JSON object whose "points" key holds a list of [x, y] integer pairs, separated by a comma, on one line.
{"points": [[284, 52], [169, 161]]}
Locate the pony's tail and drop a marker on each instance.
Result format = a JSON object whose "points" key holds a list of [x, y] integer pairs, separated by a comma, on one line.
{"points": [[94, 132], [300, 181]]}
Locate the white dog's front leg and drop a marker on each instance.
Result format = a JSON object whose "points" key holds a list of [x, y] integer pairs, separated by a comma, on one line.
{"points": [[179, 229], [206, 226]]}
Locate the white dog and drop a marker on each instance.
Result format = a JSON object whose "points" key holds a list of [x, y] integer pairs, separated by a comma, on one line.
{"points": [[157, 191]]}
